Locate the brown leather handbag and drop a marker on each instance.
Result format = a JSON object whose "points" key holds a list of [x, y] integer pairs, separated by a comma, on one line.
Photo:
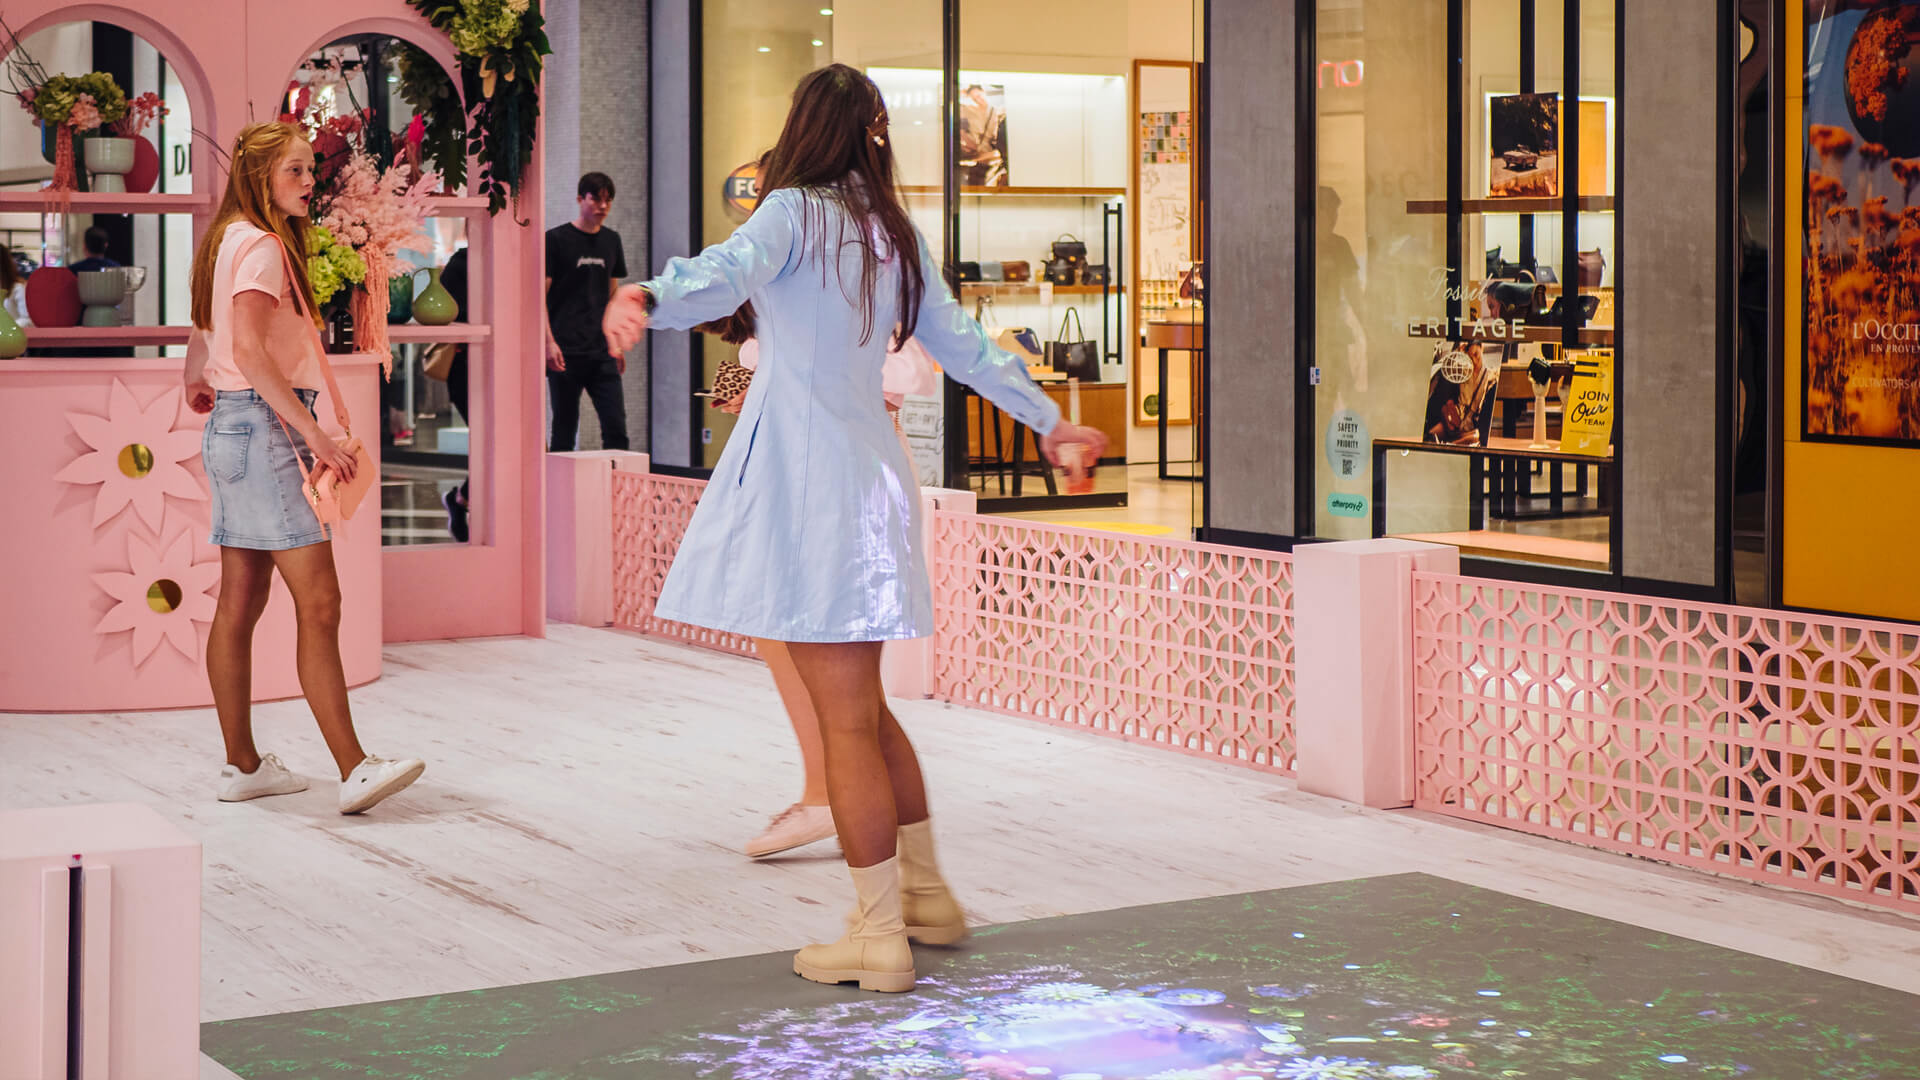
{"points": [[1017, 270]]}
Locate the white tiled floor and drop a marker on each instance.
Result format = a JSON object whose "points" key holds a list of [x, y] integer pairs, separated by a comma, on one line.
{"points": [[586, 796]]}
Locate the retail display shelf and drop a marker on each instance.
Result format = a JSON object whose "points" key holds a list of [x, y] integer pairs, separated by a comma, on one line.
{"points": [[105, 337], [17, 201], [1021, 192], [1593, 204], [1498, 332], [120, 337], [450, 205], [997, 288], [414, 333]]}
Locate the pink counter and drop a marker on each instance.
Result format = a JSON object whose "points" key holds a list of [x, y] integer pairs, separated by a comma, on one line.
{"points": [[106, 578]]}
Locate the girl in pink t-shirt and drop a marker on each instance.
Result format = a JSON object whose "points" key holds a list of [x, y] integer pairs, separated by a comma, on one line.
{"points": [[253, 365]]}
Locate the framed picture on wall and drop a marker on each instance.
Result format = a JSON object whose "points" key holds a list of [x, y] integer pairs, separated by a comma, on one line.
{"points": [[983, 136], [1524, 135], [1166, 230]]}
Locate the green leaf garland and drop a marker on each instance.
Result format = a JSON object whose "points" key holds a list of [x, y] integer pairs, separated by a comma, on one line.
{"points": [[500, 84]]}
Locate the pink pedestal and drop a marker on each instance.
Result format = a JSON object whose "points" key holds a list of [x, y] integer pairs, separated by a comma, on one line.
{"points": [[138, 962], [906, 667], [580, 533], [1354, 666], [93, 541]]}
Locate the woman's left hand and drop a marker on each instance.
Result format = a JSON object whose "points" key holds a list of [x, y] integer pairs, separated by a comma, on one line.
{"points": [[625, 322]]}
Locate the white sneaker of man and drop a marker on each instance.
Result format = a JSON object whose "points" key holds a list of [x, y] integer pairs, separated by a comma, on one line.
{"points": [[376, 778], [271, 778]]}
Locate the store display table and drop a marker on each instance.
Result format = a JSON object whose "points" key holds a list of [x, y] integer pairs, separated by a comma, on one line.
{"points": [[1188, 334], [1498, 450]]}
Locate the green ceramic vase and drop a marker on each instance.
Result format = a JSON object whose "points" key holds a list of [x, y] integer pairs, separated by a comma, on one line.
{"points": [[434, 305], [400, 298], [13, 340]]}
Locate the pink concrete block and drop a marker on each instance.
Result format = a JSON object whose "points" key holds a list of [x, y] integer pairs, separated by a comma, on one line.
{"points": [[579, 497], [906, 667], [1353, 652], [139, 972]]}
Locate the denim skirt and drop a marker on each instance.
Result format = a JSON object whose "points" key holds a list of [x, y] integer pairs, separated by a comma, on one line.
{"points": [[255, 478]]}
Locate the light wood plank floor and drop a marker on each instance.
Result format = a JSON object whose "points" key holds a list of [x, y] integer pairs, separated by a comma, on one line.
{"points": [[586, 795]]}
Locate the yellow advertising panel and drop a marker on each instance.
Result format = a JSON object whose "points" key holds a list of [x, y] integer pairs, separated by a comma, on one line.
{"points": [[1586, 418]]}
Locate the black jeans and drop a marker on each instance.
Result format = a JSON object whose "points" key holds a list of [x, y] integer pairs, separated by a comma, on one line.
{"points": [[597, 375]]}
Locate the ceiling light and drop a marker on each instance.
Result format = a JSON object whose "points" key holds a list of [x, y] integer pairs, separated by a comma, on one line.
{"points": [[763, 48], [826, 11], [817, 43]]}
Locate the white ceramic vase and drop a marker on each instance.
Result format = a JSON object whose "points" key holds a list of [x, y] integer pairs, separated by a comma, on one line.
{"points": [[109, 160]]}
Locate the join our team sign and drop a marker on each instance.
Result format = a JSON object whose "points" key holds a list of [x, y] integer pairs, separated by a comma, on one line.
{"points": [[1586, 422]]}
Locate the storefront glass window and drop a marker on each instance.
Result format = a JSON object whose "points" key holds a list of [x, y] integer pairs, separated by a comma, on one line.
{"points": [[1463, 320]]}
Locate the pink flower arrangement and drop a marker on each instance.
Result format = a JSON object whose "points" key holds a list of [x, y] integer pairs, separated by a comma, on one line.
{"points": [[378, 214], [141, 111], [85, 115]]}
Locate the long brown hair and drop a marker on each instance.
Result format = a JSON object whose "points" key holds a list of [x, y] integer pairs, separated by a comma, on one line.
{"points": [[256, 154], [835, 146], [9, 271]]}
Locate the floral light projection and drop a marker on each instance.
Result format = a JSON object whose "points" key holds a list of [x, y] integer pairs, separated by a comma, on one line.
{"points": [[138, 456], [160, 596]]}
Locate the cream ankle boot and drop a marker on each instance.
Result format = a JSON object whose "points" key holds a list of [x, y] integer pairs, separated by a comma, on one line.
{"points": [[932, 915], [875, 952]]}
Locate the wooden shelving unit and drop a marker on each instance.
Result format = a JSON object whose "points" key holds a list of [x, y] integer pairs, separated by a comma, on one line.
{"points": [[1589, 204], [1001, 288], [121, 337], [1020, 192]]}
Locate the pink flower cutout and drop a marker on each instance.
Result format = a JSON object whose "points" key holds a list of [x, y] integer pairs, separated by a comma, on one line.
{"points": [[138, 456], [160, 597]]}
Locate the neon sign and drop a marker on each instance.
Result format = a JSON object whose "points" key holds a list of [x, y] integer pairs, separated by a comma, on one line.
{"points": [[1346, 73]]}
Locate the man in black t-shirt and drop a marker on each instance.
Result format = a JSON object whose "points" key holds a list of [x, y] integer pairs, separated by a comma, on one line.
{"points": [[584, 266]]}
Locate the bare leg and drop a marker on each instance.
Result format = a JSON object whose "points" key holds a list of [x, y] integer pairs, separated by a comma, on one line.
{"points": [[869, 799], [245, 580], [806, 726], [310, 577]]}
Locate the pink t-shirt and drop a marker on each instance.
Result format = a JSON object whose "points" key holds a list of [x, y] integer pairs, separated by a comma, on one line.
{"points": [[250, 259]]}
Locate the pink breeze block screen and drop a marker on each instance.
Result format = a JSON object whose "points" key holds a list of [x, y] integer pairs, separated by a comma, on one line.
{"points": [[1179, 644], [1776, 747], [650, 515]]}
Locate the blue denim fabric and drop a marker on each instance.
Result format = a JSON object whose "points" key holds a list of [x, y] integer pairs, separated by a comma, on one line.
{"points": [[256, 481]]}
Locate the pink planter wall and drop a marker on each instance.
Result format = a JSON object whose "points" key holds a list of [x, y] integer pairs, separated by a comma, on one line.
{"points": [[87, 541]]}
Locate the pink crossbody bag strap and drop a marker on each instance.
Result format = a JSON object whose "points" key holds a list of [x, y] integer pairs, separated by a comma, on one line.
{"points": [[326, 369]]}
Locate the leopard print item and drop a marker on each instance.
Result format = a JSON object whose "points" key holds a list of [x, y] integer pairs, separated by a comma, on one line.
{"points": [[731, 380]]}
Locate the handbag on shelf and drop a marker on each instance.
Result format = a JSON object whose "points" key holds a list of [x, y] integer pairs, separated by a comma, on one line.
{"points": [[1060, 271], [1514, 301], [1096, 274], [333, 500], [966, 272], [1017, 270], [992, 271], [1557, 314], [437, 364], [1071, 248], [1075, 357], [1593, 266]]}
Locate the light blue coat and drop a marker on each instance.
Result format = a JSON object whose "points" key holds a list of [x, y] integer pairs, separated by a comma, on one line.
{"points": [[809, 529]]}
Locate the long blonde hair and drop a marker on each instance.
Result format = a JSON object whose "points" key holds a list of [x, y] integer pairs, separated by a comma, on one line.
{"points": [[256, 153]]}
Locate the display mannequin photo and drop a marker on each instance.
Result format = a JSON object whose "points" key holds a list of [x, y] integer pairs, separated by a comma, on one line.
{"points": [[804, 534], [585, 263], [255, 367]]}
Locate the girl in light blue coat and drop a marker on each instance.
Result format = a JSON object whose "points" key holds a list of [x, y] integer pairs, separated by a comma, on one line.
{"points": [[803, 534]]}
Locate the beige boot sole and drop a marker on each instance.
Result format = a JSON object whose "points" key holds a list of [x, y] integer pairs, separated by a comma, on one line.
{"points": [[938, 935], [881, 982]]}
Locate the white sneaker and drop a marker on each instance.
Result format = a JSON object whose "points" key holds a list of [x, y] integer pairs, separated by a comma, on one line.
{"points": [[271, 778], [796, 826], [376, 778]]}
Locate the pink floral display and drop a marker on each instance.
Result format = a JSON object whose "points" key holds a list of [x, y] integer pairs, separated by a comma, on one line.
{"points": [[378, 214]]}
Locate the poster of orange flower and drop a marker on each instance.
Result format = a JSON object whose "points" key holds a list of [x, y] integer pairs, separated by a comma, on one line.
{"points": [[1861, 378]]}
